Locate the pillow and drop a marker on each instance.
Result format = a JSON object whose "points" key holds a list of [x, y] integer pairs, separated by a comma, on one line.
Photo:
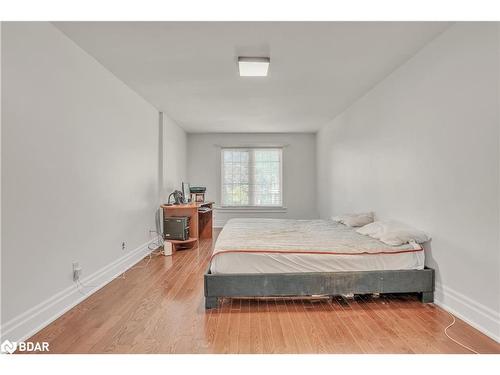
{"points": [[394, 233], [403, 236], [373, 229], [358, 220], [379, 228], [354, 220]]}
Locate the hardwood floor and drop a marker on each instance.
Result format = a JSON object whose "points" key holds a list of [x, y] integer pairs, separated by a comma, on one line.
{"points": [[160, 309]]}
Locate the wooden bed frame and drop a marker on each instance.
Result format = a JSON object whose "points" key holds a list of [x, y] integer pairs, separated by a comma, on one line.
{"points": [[318, 283]]}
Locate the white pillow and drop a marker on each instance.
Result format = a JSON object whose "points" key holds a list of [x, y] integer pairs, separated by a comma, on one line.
{"points": [[373, 229], [394, 233], [401, 237], [358, 220], [354, 220]]}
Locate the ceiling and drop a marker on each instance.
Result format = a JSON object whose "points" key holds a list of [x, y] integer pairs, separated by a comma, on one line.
{"points": [[189, 69]]}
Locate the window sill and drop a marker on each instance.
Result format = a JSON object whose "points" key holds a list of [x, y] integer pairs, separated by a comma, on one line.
{"points": [[251, 209]]}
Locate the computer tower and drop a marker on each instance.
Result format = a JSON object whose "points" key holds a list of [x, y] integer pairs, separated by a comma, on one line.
{"points": [[176, 228]]}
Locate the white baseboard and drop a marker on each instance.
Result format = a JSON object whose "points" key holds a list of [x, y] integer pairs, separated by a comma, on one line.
{"points": [[479, 316], [30, 322]]}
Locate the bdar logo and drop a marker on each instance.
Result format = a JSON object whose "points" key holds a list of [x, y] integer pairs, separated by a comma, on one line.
{"points": [[8, 347], [24, 346]]}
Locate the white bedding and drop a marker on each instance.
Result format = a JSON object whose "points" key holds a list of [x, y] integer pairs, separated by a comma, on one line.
{"points": [[280, 246]]}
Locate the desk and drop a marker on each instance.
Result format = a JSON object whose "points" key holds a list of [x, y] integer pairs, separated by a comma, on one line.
{"points": [[200, 222]]}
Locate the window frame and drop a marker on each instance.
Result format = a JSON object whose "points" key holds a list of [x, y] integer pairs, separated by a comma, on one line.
{"points": [[268, 208]]}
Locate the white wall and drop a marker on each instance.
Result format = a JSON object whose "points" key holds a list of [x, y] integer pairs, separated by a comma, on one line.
{"points": [[299, 170], [79, 171], [174, 156], [423, 147]]}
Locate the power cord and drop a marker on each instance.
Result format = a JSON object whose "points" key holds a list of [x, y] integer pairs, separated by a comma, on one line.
{"points": [[157, 243], [452, 339], [150, 256], [81, 286]]}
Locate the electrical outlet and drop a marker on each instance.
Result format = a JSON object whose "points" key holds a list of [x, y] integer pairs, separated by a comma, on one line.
{"points": [[123, 245], [77, 271]]}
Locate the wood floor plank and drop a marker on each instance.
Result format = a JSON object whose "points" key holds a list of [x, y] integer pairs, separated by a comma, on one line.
{"points": [[302, 336], [256, 346], [158, 307], [288, 331]]}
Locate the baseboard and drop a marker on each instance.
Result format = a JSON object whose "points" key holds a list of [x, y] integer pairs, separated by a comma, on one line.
{"points": [[30, 322], [479, 316]]}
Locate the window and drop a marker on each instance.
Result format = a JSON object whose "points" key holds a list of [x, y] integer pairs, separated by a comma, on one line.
{"points": [[251, 177]]}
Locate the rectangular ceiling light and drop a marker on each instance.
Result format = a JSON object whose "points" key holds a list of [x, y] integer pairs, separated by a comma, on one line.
{"points": [[253, 66]]}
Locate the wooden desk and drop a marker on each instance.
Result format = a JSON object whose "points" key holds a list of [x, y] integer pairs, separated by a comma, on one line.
{"points": [[200, 223]]}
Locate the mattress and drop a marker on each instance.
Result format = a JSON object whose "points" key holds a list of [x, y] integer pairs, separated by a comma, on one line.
{"points": [[289, 246]]}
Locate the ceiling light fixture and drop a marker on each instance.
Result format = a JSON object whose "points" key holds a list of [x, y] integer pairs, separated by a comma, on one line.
{"points": [[253, 66]]}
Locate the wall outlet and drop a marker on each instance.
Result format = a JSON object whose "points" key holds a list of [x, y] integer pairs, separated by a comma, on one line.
{"points": [[77, 271], [123, 246]]}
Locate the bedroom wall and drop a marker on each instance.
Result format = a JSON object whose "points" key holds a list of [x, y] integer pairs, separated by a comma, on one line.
{"points": [[299, 171], [423, 147], [79, 174], [174, 156]]}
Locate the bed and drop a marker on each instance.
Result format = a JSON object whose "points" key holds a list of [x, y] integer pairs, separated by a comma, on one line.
{"points": [[275, 257]]}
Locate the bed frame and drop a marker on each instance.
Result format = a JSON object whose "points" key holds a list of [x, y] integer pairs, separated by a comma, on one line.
{"points": [[318, 283]]}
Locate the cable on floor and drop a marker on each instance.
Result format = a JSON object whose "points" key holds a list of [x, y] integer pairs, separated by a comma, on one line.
{"points": [[452, 339], [157, 243]]}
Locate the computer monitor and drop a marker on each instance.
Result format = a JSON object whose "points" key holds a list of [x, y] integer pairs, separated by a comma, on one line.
{"points": [[186, 192]]}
